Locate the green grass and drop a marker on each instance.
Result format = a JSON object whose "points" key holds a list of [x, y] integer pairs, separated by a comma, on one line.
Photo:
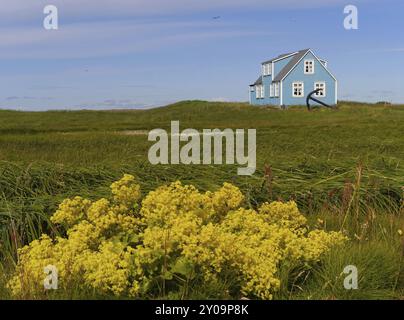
{"points": [[378, 265], [342, 166], [289, 138]]}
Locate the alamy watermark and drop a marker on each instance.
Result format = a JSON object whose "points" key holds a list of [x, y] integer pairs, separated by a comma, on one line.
{"points": [[51, 21], [51, 280], [198, 147], [351, 280], [351, 21]]}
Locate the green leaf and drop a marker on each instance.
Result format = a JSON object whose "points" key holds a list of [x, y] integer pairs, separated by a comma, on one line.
{"points": [[167, 275], [183, 267]]}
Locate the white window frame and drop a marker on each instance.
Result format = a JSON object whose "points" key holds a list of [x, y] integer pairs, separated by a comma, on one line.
{"points": [[276, 89], [271, 90], [267, 69], [259, 92], [293, 89], [324, 89], [306, 62]]}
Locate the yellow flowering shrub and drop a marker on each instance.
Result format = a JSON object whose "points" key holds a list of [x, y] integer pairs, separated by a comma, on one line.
{"points": [[128, 247]]}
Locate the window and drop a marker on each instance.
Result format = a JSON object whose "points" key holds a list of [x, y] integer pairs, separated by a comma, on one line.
{"points": [[267, 69], [274, 90], [319, 85], [298, 89], [276, 87], [259, 92], [308, 66]]}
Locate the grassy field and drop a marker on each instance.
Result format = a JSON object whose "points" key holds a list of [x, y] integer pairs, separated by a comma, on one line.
{"points": [[343, 167]]}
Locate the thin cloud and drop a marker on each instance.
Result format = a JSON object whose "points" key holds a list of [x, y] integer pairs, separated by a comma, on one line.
{"points": [[32, 10], [394, 50], [138, 86], [50, 87], [95, 39], [380, 50], [14, 98]]}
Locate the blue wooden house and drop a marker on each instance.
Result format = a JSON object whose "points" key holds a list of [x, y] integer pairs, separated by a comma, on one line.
{"points": [[287, 80]]}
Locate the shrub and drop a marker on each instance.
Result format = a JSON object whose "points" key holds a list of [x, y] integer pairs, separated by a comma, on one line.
{"points": [[176, 236]]}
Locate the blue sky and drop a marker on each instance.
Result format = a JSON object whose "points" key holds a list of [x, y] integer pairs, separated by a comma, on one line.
{"points": [[144, 53]]}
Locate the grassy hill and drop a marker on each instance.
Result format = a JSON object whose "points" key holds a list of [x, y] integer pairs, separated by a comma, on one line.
{"points": [[318, 149], [315, 158], [325, 136]]}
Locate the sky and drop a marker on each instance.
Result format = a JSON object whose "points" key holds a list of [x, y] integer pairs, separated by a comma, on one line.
{"points": [[114, 54]]}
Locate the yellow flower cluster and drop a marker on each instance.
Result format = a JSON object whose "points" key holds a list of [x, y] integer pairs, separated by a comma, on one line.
{"points": [[96, 252], [124, 248], [71, 211], [254, 244], [125, 191]]}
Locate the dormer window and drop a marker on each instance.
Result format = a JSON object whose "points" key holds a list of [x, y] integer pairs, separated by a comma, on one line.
{"points": [[267, 69], [308, 66]]}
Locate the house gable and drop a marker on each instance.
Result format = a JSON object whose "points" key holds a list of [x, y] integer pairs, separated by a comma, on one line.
{"points": [[297, 75], [295, 62]]}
